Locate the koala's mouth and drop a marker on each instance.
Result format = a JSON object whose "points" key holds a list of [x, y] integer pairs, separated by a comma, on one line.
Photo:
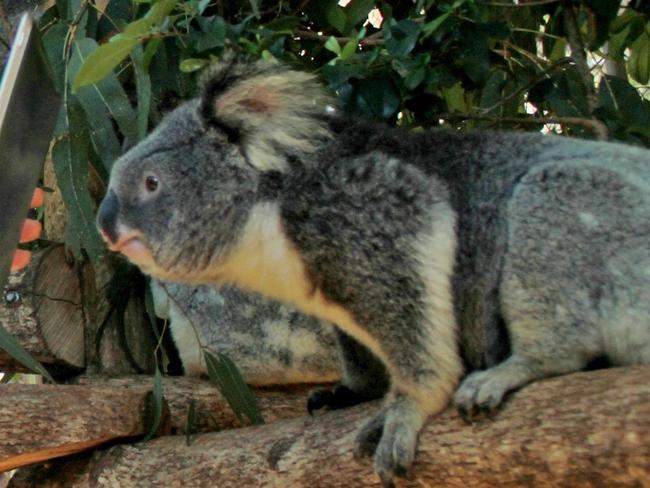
{"points": [[132, 246]]}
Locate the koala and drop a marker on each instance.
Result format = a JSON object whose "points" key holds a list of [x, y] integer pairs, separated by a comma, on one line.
{"points": [[270, 343], [422, 248]]}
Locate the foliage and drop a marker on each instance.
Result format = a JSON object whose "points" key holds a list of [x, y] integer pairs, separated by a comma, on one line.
{"points": [[468, 63]]}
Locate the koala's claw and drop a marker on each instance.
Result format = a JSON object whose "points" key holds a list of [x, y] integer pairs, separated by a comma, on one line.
{"points": [[369, 436], [340, 396], [481, 393], [392, 436]]}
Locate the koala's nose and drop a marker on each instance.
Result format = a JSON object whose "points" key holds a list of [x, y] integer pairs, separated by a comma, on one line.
{"points": [[107, 217]]}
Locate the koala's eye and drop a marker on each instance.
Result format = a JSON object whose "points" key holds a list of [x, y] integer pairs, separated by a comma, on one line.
{"points": [[151, 183]]}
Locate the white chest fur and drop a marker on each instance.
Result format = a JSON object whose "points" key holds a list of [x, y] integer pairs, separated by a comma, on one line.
{"points": [[265, 261]]}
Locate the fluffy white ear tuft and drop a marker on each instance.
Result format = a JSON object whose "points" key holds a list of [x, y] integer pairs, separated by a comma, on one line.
{"points": [[272, 110]]}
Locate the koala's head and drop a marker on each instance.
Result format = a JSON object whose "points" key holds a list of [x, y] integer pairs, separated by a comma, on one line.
{"points": [[178, 200]]}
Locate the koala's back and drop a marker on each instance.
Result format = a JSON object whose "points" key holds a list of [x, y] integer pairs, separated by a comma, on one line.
{"points": [[576, 274], [485, 173]]}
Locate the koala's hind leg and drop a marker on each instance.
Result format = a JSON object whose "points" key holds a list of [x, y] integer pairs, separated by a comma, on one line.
{"points": [[364, 378], [575, 234]]}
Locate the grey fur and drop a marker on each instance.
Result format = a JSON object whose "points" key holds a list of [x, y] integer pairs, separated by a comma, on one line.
{"points": [[269, 342], [411, 243]]}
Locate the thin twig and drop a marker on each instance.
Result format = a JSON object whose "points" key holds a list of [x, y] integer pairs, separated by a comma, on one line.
{"points": [[519, 5], [578, 53], [596, 126], [369, 41], [528, 86]]}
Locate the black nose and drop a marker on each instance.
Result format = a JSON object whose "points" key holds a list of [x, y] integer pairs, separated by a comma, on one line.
{"points": [[107, 217]]}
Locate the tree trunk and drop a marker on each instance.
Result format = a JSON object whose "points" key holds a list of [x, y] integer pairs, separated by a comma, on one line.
{"points": [[580, 430]]}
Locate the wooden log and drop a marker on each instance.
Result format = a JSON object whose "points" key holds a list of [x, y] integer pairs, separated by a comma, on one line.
{"points": [[580, 430], [58, 311], [41, 307], [41, 422]]}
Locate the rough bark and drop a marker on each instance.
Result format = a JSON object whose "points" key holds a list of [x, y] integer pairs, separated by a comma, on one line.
{"points": [[580, 430], [41, 422], [41, 307]]}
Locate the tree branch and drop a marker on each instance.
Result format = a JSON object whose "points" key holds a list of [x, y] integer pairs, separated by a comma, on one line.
{"points": [[596, 126], [372, 40], [583, 429], [578, 53]]}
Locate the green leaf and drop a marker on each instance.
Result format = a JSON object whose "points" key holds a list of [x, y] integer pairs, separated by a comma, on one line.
{"points": [[492, 93], [333, 45], [70, 156], [11, 346], [190, 423], [357, 11], [150, 308], [430, 27], [106, 57], [284, 24], [149, 52], [559, 50], [400, 37], [109, 93], [622, 101], [143, 90], [378, 98], [327, 13], [160, 10], [155, 405], [255, 7], [638, 63], [225, 375], [193, 64], [336, 17], [98, 118], [349, 49], [203, 4], [103, 60], [54, 42], [213, 35], [455, 98]]}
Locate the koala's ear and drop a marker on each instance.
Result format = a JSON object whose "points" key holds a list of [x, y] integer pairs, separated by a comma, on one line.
{"points": [[269, 109]]}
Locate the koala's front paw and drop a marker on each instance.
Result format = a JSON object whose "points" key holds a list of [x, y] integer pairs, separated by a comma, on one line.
{"points": [[340, 396], [392, 435], [480, 393]]}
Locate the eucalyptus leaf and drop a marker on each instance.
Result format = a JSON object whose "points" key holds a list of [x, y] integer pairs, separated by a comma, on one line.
{"points": [[143, 90], [110, 93], [190, 423], [70, 156], [54, 42], [225, 375], [100, 124], [155, 405], [11, 346], [103, 60]]}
